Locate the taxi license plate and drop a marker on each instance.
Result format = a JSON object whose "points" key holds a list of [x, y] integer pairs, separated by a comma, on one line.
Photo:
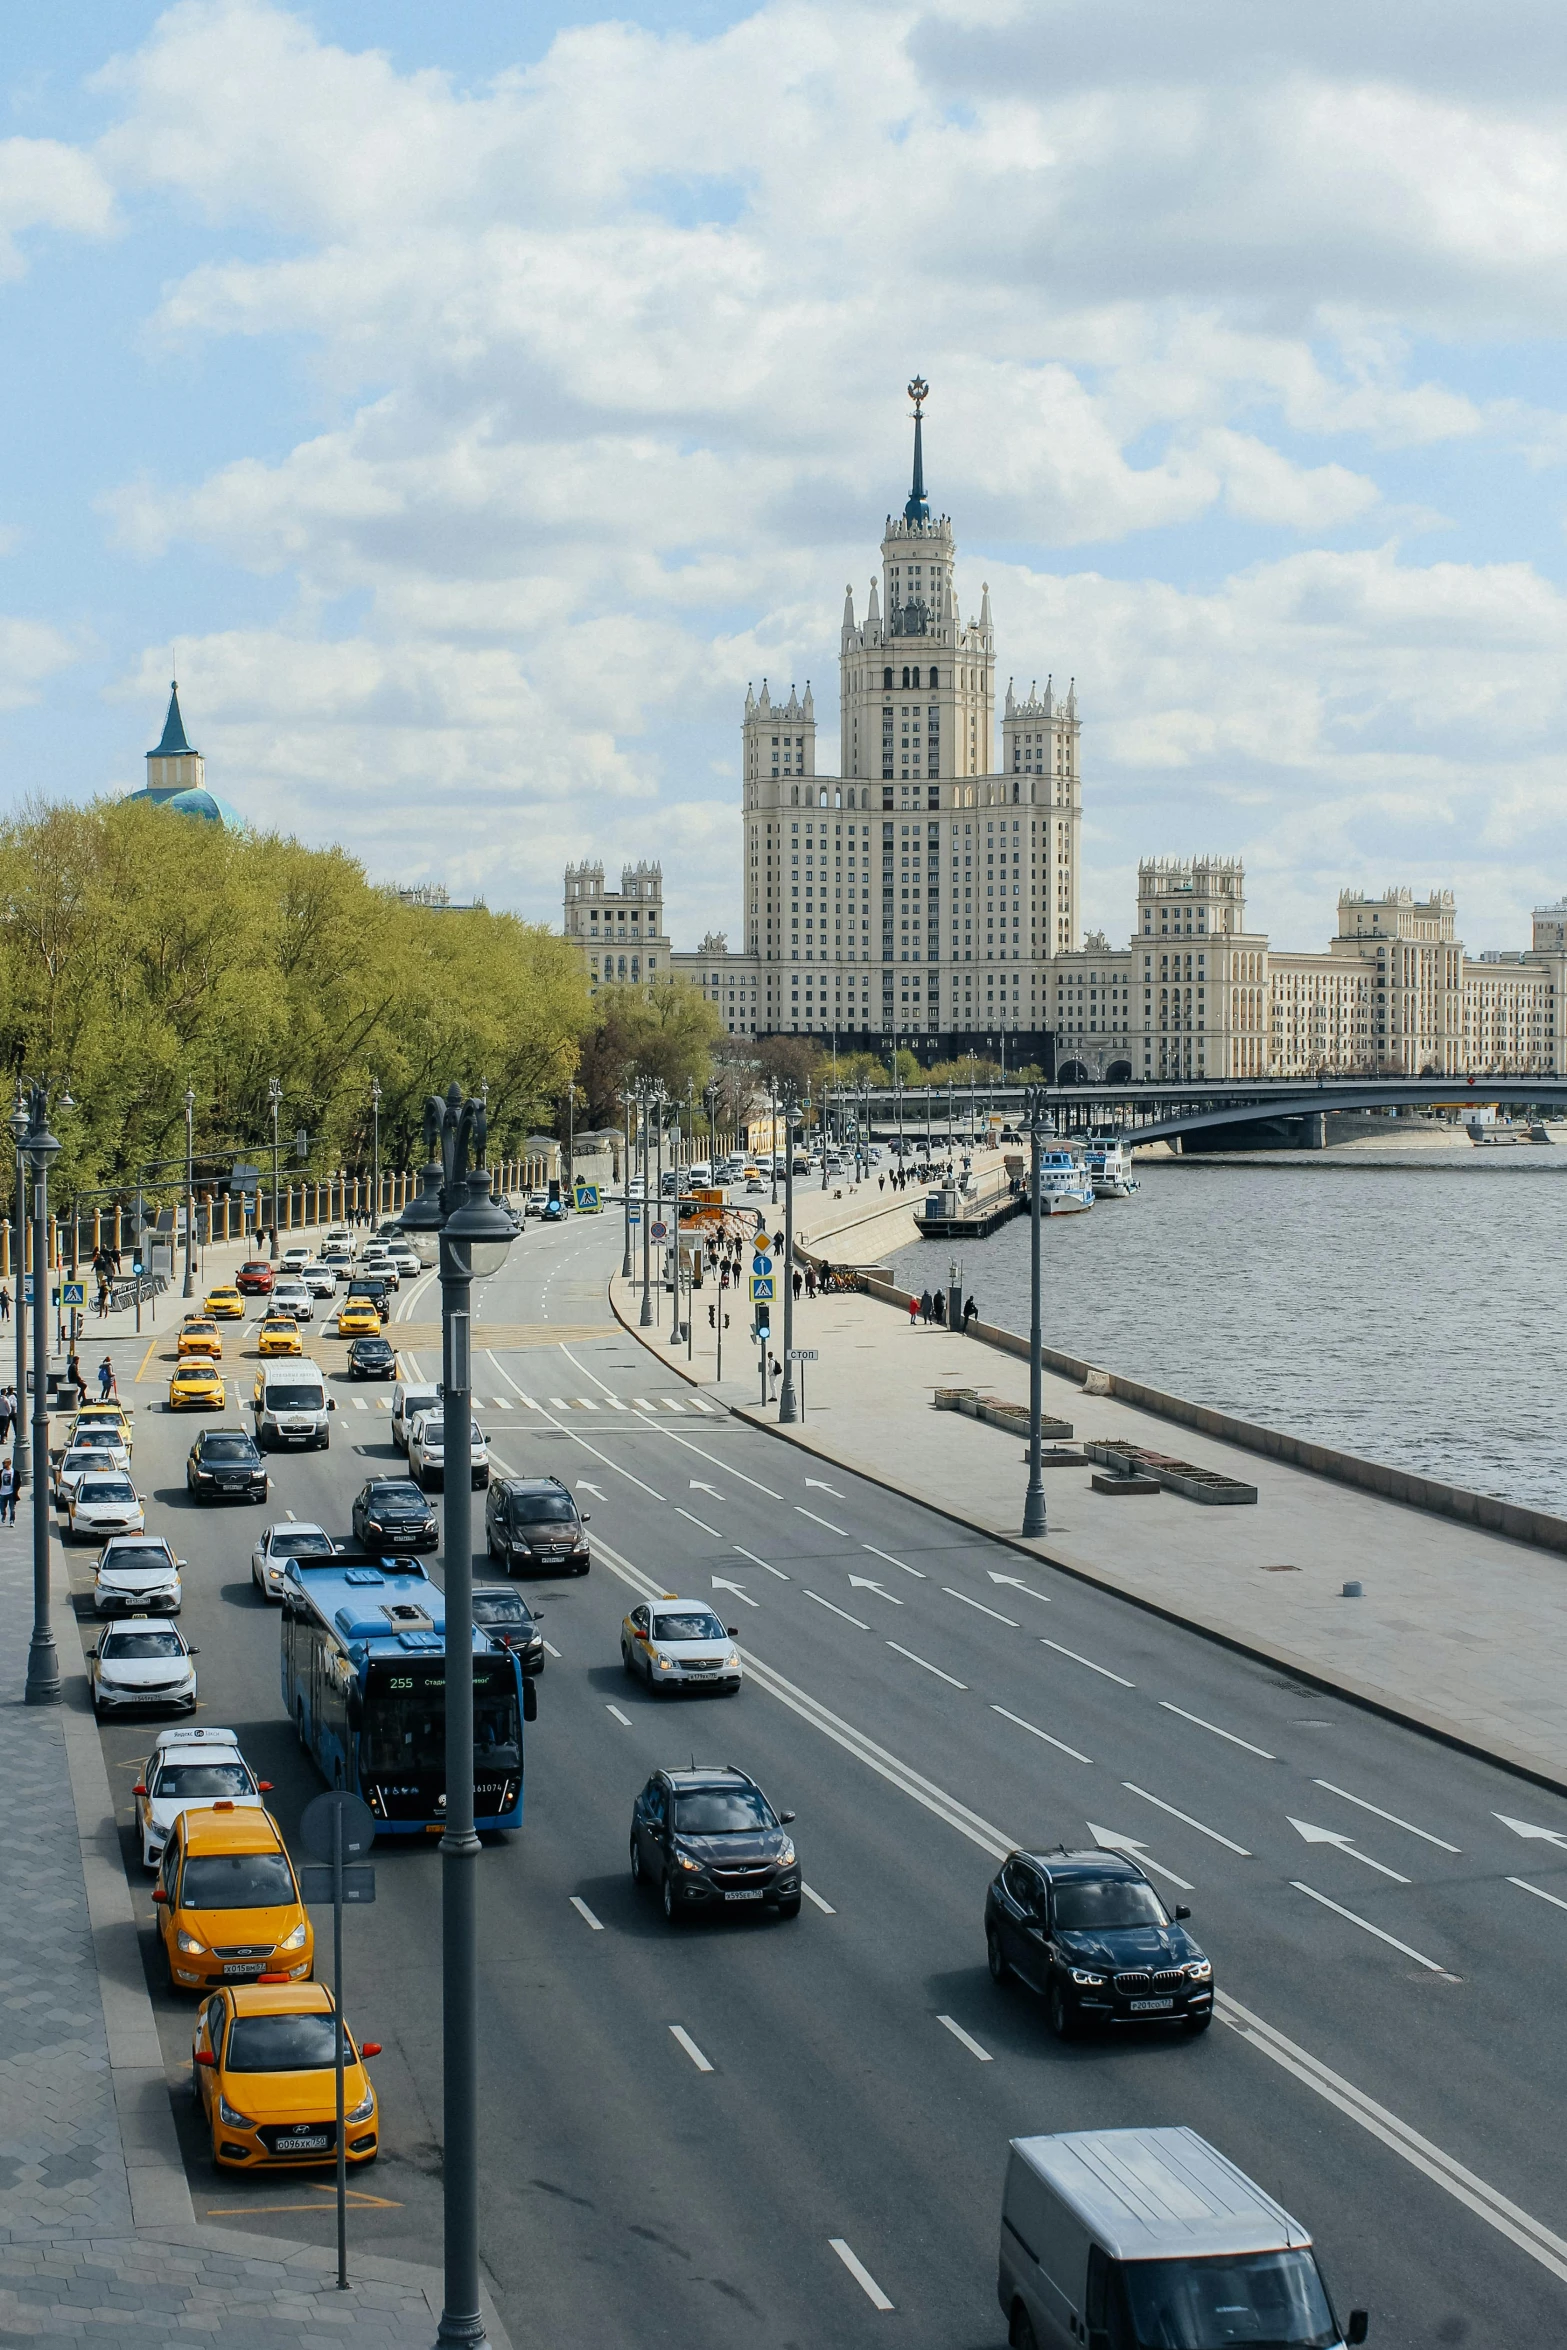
{"points": [[315, 2143], [252, 1967], [1149, 2006], [755, 1894]]}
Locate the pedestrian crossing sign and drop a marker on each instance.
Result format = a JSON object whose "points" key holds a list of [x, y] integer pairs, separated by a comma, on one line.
{"points": [[75, 1293], [761, 1289]]}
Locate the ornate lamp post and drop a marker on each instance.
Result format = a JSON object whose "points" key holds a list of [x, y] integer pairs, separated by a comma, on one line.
{"points": [[788, 1402], [625, 1181], [18, 1123], [43, 1662], [645, 1107], [275, 1097], [1034, 1500], [375, 1180], [189, 1289], [474, 1235], [710, 1094]]}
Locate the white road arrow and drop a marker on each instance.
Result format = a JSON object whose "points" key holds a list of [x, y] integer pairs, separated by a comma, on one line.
{"points": [[739, 1590], [1112, 1841], [821, 1488], [1528, 1828], [597, 1491], [1018, 1584], [698, 1486], [1346, 1845], [864, 1583]]}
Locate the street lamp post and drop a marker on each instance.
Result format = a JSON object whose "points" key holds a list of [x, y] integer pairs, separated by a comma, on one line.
{"points": [[625, 1186], [710, 1100], [275, 1097], [645, 1105], [474, 1235], [788, 1403], [772, 1095], [571, 1130], [189, 1289], [19, 1460], [43, 1661], [674, 1254], [375, 1179], [1034, 1499]]}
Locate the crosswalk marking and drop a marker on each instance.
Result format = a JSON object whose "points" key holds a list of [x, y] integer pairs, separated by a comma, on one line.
{"points": [[360, 1405], [588, 1403]]}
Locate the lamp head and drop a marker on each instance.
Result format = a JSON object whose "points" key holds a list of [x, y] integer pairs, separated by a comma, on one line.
{"points": [[481, 1225], [18, 1121]]}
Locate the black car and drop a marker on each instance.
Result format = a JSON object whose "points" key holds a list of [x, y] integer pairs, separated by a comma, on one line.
{"points": [[507, 1617], [711, 1840], [372, 1358], [224, 1465], [370, 1289], [390, 1513], [1088, 1931], [532, 1526]]}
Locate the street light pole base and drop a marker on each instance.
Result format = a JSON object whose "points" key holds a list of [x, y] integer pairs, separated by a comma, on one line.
{"points": [[788, 1401], [43, 1671], [461, 2333], [1034, 1514]]}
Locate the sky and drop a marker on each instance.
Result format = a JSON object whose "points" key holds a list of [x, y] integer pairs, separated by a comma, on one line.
{"points": [[474, 400]]}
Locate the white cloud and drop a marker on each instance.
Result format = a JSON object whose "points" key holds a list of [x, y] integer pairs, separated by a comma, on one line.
{"points": [[31, 652], [45, 184]]}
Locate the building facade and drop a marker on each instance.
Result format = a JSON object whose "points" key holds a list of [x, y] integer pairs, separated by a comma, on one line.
{"points": [[620, 932]]}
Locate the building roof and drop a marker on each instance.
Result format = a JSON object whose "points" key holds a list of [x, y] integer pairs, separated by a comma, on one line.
{"points": [[174, 742], [199, 800]]}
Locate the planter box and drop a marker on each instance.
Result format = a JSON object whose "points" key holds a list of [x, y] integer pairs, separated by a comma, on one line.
{"points": [[995, 1414], [1183, 1477], [1103, 1482]]}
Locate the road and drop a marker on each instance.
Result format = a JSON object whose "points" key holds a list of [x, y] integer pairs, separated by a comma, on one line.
{"points": [[1388, 1949]]}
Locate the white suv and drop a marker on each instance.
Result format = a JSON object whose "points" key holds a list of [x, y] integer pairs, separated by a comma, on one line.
{"points": [[189, 1766], [292, 1295], [426, 1453]]}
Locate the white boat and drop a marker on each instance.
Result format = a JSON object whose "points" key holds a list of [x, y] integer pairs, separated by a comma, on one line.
{"points": [[1110, 1168], [1065, 1186]]}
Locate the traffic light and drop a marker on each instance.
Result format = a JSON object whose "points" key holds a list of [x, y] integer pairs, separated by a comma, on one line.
{"points": [[763, 1330]]}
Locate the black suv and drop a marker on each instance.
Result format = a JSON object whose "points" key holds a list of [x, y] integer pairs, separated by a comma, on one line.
{"points": [[711, 1839], [372, 1358], [1088, 1931], [225, 1465], [369, 1289], [532, 1526], [507, 1617], [390, 1513]]}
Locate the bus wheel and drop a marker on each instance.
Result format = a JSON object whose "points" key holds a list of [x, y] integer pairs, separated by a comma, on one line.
{"points": [[299, 1724]]}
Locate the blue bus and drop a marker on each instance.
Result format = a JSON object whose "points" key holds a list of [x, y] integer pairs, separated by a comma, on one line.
{"points": [[364, 1683]]}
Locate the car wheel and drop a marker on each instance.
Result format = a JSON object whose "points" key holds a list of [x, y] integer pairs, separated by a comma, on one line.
{"points": [[669, 1898], [789, 1909], [636, 1862], [995, 1957], [489, 1543], [1020, 2330], [1199, 2023], [1062, 2021]]}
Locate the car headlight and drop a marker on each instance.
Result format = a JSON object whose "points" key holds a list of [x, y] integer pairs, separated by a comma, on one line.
{"points": [[363, 2110], [786, 1857], [1201, 1970], [1088, 1981], [685, 1861], [188, 1943], [229, 2114], [296, 1940], [732, 1661], [665, 1664]]}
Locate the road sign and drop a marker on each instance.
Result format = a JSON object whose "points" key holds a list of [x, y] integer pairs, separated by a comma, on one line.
{"points": [[337, 1828], [635, 1215], [586, 1197], [761, 1289], [802, 1354], [661, 1231], [315, 1825], [75, 1293], [315, 1881], [761, 1264]]}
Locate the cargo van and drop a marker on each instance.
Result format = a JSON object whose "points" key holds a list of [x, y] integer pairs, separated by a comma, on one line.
{"points": [[291, 1404], [1127, 2239]]}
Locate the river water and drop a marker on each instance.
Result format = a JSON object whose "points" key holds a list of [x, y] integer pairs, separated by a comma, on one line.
{"points": [[1411, 1313]]}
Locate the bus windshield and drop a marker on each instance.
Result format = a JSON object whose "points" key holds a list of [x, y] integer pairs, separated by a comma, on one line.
{"points": [[405, 1719]]}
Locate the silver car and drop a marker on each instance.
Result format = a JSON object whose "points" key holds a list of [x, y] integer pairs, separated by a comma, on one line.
{"points": [[104, 1502], [320, 1280], [427, 1453], [137, 1573], [291, 1539], [680, 1643], [140, 1664]]}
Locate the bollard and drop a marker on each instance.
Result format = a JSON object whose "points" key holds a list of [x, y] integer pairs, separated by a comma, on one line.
{"points": [[1354, 1591]]}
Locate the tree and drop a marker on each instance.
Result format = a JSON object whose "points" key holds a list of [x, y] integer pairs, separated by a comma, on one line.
{"points": [[664, 1031]]}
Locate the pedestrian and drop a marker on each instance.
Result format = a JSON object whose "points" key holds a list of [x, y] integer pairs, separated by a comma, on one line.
{"points": [[925, 1307], [74, 1373], [799, 1284], [810, 1280], [5, 1303], [7, 1492], [939, 1310], [970, 1314], [106, 1386], [777, 1368], [881, 1183], [914, 1311], [7, 1415]]}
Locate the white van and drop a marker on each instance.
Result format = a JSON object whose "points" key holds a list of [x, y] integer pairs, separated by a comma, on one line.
{"points": [[291, 1405], [1111, 2236], [410, 1397]]}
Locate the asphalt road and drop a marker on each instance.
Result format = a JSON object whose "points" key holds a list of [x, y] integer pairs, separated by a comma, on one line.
{"points": [[1389, 2061]]}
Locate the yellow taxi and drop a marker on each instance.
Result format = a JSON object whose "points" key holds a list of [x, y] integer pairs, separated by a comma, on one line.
{"points": [[197, 1386], [198, 1336], [102, 1415], [359, 1319], [227, 1900], [264, 2071], [224, 1305], [279, 1336]]}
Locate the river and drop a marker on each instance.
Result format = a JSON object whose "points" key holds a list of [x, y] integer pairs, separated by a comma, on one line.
{"points": [[1411, 1313]]}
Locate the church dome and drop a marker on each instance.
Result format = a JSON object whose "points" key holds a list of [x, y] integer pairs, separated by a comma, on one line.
{"points": [[177, 775]]}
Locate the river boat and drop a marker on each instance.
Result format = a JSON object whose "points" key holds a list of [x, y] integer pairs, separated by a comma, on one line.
{"points": [[1109, 1168], [1066, 1188]]}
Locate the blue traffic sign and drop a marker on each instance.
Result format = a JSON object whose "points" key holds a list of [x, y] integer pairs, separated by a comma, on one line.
{"points": [[761, 1264], [75, 1293], [761, 1289]]}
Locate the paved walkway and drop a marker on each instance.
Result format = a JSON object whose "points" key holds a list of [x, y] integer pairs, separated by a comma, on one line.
{"points": [[1460, 1631]]}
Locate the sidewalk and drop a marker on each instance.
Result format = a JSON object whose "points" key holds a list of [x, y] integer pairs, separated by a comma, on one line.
{"points": [[1461, 1632]]}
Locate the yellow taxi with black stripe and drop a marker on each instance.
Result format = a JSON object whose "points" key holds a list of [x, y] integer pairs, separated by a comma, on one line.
{"points": [[280, 1336], [224, 1304], [264, 2073], [198, 1336], [359, 1319], [197, 1386]]}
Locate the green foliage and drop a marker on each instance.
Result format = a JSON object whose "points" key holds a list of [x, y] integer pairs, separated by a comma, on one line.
{"points": [[665, 1031], [142, 951]]}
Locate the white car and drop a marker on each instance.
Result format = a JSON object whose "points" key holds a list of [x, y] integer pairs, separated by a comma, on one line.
{"points": [[137, 1573], [294, 1297], [293, 1258], [377, 1265], [538, 1201], [680, 1643], [292, 1538], [427, 1451], [74, 1465], [410, 1397], [338, 1236], [320, 1280], [406, 1260], [340, 1257], [104, 1502], [189, 1766], [141, 1664]]}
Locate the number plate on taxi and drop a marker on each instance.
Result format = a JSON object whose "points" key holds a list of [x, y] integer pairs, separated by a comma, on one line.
{"points": [[255, 1967], [300, 2143]]}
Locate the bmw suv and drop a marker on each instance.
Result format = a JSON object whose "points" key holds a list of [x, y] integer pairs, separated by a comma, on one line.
{"points": [[1088, 1932], [709, 1839], [532, 1526]]}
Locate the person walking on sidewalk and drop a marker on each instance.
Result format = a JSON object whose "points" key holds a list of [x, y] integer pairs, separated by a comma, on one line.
{"points": [[106, 1385], [970, 1313], [914, 1311], [5, 1303], [7, 1492], [7, 1414]]}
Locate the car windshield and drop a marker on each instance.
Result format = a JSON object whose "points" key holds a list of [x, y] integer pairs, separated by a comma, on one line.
{"points": [[100, 1488], [139, 1558], [201, 1782], [120, 1645], [283, 2044], [499, 1607], [228, 1448], [293, 1545], [398, 1497], [543, 1509], [236, 1880], [277, 1322], [722, 1811], [1087, 1905], [284, 1396], [1268, 2299], [87, 1457], [694, 1624]]}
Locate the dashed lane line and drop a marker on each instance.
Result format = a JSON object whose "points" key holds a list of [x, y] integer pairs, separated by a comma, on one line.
{"points": [[892, 1562], [927, 1667], [583, 1911], [828, 1911], [1431, 1965], [1538, 1891], [827, 1522], [965, 2039], [679, 2032], [1159, 1803], [837, 1611], [685, 1513], [623, 1719], [1059, 1743], [860, 2273], [1391, 1817], [1229, 1735], [1089, 1662], [756, 1562], [980, 1607]]}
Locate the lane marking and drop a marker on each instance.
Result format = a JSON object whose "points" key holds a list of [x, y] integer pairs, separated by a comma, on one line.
{"points": [[928, 1668], [860, 2273], [1113, 1841], [560, 1403], [623, 1719], [826, 1907], [728, 1467], [1367, 1927], [1507, 2218], [642, 1403], [967, 2038], [685, 1513], [1045, 1734], [892, 1562], [994, 1613], [827, 1522], [670, 1404], [584, 1403], [1088, 1661], [1390, 1816], [1161, 1805], [1018, 1584], [756, 1562], [583, 1911], [1217, 1732], [583, 1368], [1311, 1834], [689, 2045], [572, 1437], [821, 1488], [360, 1405], [1539, 1893], [551, 1650], [837, 1611]]}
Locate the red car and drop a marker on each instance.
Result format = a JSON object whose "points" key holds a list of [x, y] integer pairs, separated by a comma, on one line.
{"points": [[255, 1279]]}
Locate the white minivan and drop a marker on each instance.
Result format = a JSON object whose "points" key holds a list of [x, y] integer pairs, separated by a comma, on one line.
{"points": [[291, 1405], [410, 1397], [1152, 2235]]}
